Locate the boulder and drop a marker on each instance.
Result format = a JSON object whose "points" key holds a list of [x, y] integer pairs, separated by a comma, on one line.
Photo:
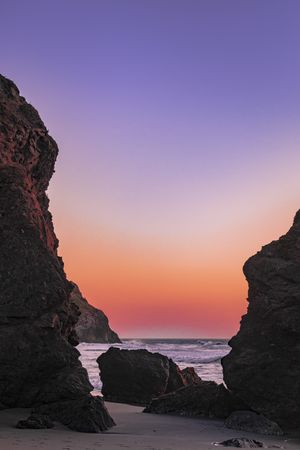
{"points": [[137, 376], [39, 364], [252, 422], [89, 416], [92, 324], [204, 399], [263, 367], [36, 422]]}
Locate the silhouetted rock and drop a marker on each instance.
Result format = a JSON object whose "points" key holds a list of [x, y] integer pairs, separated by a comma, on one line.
{"points": [[204, 399], [133, 376], [92, 325], [252, 422], [137, 376], [241, 443], [38, 361], [36, 421], [263, 367]]}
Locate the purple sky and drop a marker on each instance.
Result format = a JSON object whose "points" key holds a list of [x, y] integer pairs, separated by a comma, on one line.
{"points": [[178, 128]]}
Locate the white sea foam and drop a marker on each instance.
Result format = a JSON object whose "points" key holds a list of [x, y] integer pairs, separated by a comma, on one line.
{"points": [[202, 354]]}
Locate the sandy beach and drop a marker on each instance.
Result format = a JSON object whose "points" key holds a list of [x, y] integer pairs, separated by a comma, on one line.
{"points": [[134, 430]]}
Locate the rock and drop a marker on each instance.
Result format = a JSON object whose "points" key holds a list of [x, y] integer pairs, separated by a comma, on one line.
{"points": [[252, 422], [36, 421], [92, 325], [133, 376], [179, 378], [38, 362], [241, 443], [136, 376], [205, 399], [88, 415], [190, 376], [263, 367]]}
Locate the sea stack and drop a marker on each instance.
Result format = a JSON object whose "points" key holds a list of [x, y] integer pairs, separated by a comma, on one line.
{"points": [[92, 324], [39, 366], [263, 367]]}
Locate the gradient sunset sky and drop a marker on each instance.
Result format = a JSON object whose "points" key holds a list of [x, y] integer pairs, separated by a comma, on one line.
{"points": [[178, 123]]}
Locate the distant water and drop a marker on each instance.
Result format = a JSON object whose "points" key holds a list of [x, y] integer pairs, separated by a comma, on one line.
{"points": [[203, 354]]}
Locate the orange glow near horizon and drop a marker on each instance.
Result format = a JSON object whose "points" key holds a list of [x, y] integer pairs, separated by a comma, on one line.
{"points": [[154, 288]]}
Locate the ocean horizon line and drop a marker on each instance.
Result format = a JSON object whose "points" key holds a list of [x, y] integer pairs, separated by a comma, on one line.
{"points": [[178, 337]]}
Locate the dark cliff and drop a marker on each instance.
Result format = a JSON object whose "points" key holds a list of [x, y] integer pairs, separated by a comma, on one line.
{"points": [[39, 366], [92, 325], [263, 367]]}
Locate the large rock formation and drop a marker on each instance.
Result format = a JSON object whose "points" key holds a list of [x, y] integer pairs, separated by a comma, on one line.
{"points": [[39, 366], [92, 325], [137, 376], [263, 367], [204, 399]]}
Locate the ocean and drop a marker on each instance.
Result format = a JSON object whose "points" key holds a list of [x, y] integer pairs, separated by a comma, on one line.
{"points": [[202, 354]]}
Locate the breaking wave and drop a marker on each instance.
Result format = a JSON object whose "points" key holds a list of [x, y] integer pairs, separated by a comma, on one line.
{"points": [[203, 354]]}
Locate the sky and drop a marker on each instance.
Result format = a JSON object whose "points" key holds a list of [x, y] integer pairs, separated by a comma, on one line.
{"points": [[178, 128]]}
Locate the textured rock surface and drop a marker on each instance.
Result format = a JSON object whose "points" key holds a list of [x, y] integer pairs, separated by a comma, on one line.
{"points": [[252, 422], [263, 367], [137, 376], [204, 399], [92, 325], [38, 361]]}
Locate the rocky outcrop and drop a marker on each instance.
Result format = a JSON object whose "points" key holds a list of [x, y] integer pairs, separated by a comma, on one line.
{"points": [[252, 422], [92, 325], [39, 366], [137, 376], [263, 367], [204, 399]]}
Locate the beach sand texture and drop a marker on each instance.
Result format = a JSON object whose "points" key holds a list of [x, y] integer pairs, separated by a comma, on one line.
{"points": [[135, 430]]}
